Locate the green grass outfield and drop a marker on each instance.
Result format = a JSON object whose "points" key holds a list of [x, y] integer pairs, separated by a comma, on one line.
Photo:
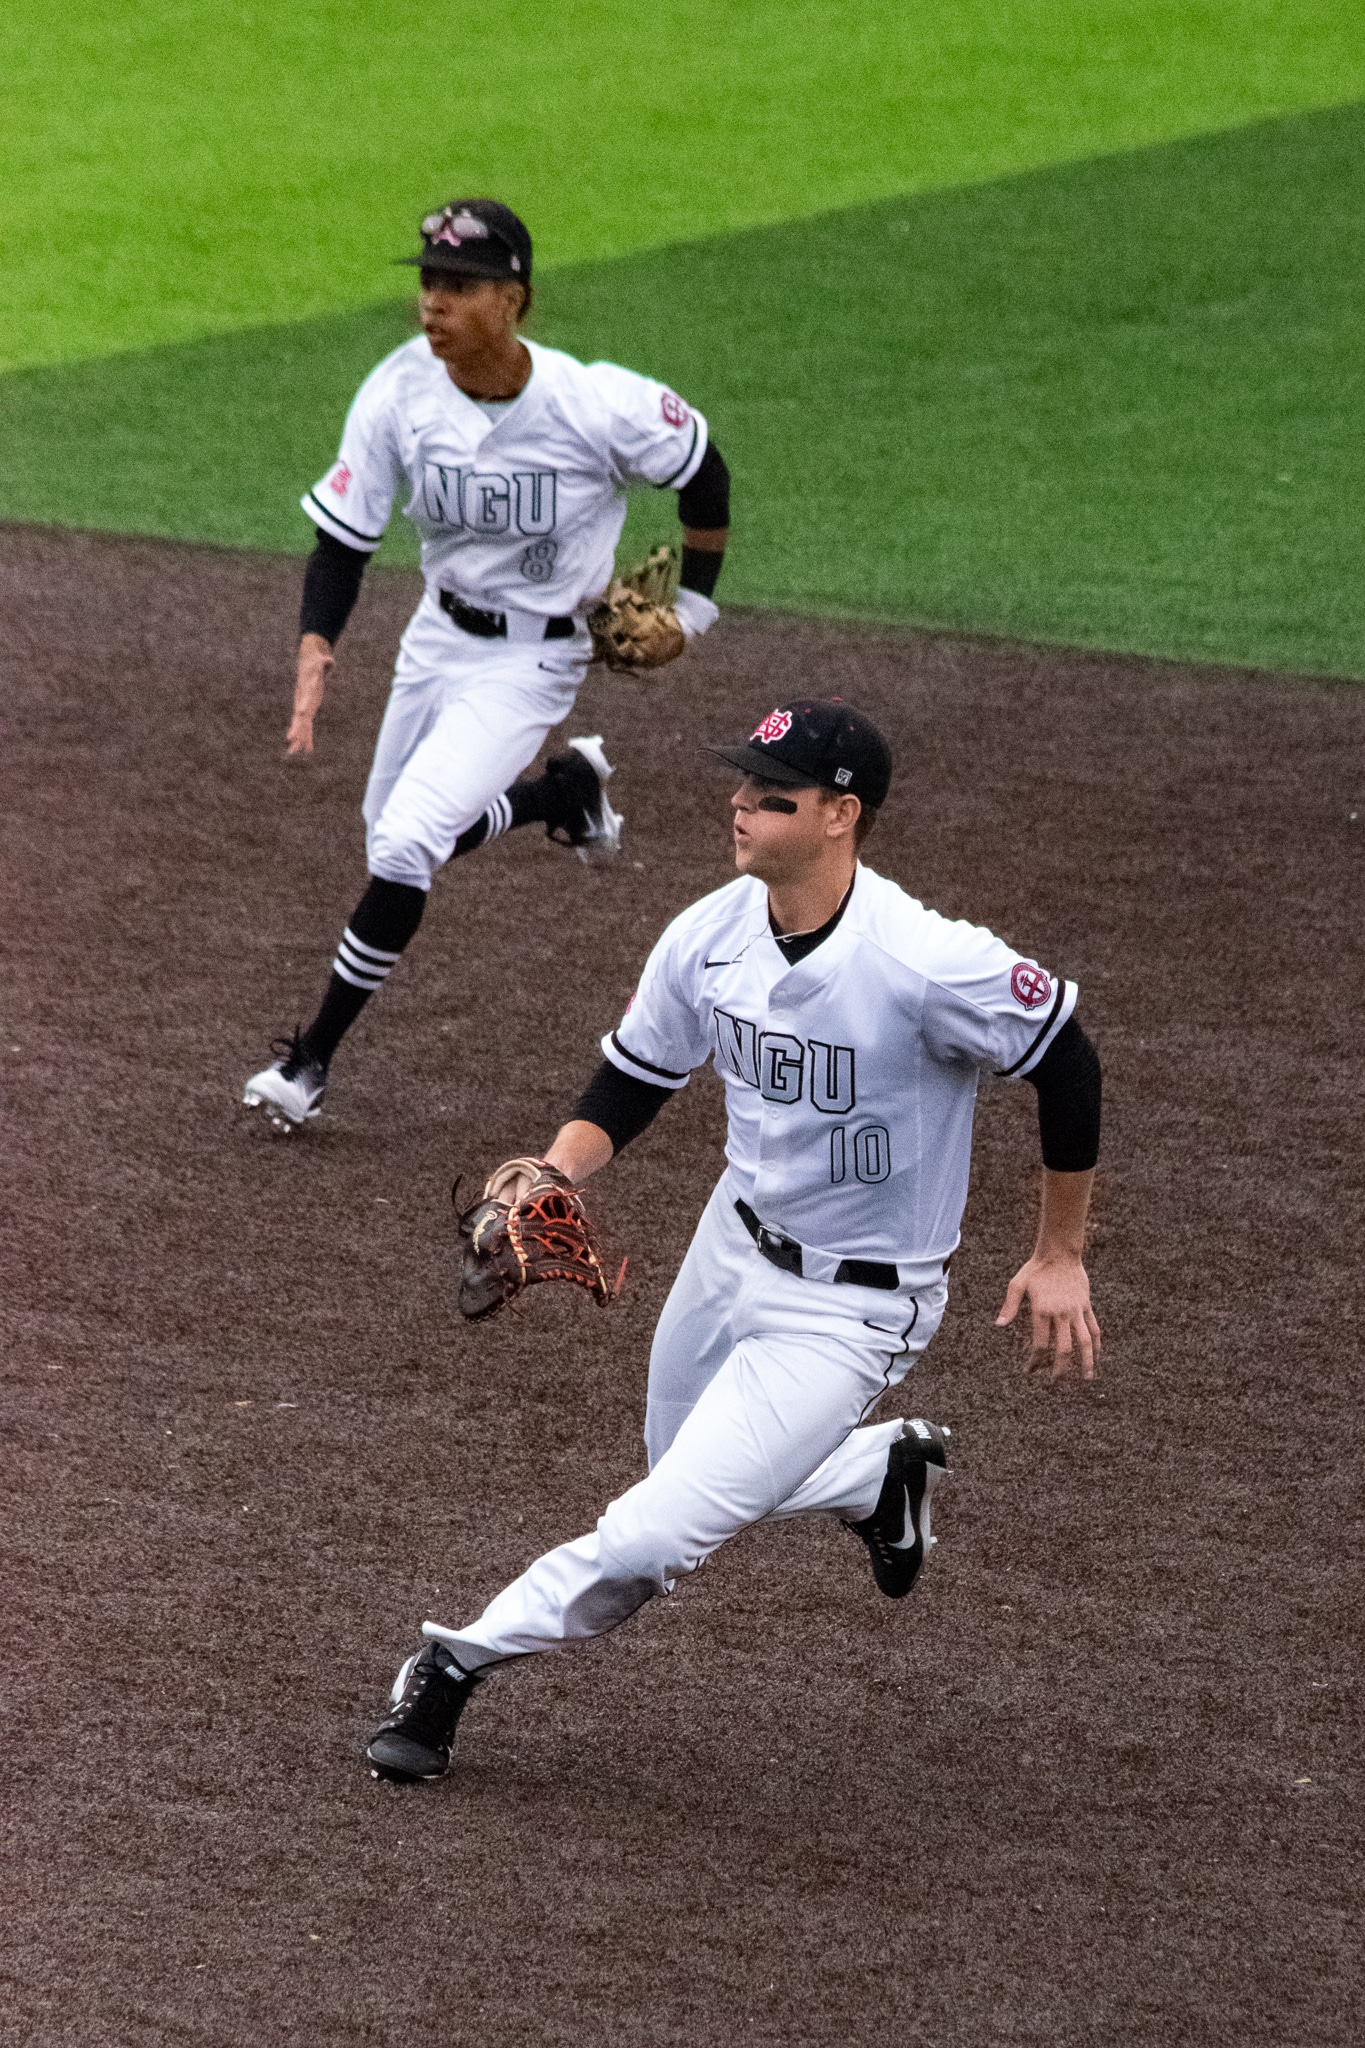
{"points": [[176, 168], [1010, 314], [1118, 403]]}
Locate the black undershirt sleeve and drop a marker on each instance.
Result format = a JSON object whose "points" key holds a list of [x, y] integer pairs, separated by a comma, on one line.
{"points": [[705, 499], [1069, 1086], [331, 585], [704, 503], [619, 1104], [700, 570]]}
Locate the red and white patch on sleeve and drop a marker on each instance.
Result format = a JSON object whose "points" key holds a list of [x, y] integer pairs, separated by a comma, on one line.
{"points": [[340, 480], [1030, 986], [673, 409], [775, 726]]}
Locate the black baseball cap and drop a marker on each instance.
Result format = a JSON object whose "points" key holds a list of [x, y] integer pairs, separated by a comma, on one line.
{"points": [[817, 742], [475, 238]]}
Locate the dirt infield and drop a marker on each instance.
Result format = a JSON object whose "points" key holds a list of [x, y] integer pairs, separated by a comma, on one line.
{"points": [[1097, 1782]]}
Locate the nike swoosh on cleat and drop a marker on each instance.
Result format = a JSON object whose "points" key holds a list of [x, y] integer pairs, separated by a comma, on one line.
{"points": [[911, 1538]]}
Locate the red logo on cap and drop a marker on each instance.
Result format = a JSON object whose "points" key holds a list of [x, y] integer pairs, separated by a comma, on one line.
{"points": [[674, 411], [1030, 986], [775, 726], [341, 480]]}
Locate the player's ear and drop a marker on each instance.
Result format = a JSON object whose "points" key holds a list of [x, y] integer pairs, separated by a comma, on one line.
{"points": [[525, 307], [847, 810]]}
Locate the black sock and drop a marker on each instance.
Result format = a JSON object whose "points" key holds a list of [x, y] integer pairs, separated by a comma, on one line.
{"points": [[383, 922], [534, 801]]}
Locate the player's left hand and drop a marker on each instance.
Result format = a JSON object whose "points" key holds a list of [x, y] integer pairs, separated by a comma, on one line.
{"points": [[1065, 1334], [634, 624], [631, 635], [529, 1225]]}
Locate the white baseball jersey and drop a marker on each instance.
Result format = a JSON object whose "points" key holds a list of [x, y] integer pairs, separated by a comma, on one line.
{"points": [[522, 512], [850, 1077]]}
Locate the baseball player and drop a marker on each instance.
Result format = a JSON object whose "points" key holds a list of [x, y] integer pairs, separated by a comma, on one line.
{"points": [[850, 1025], [513, 462]]}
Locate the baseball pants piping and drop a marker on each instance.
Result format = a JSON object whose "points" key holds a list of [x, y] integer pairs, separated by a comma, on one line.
{"points": [[464, 718], [758, 1384]]}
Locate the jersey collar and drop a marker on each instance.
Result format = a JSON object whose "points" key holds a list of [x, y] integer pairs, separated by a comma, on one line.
{"points": [[472, 417], [830, 956]]}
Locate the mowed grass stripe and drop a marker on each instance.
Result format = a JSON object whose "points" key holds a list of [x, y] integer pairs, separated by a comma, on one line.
{"points": [[1117, 404], [174, 168]]}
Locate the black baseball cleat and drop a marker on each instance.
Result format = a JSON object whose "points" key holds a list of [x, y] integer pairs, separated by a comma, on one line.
{"points": [[583, 818], [430, 1694], [897, 1531]]}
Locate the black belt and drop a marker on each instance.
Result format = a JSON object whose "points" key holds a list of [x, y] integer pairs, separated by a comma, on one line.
{"points": [[493, 625], [785, 1253]]}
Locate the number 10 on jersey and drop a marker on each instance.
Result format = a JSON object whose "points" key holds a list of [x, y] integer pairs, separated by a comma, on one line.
{"points": [[867, 1151]]}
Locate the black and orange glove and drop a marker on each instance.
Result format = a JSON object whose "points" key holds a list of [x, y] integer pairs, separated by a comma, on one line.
{"points": [[528, 1225]]}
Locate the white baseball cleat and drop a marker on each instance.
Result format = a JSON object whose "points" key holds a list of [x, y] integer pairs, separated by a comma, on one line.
{"points": [[591, 826], [291, 1091]]}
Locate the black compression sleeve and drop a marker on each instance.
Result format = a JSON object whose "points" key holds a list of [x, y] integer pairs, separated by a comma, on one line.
{"points": [[700, 570], [1069, 1086], [619, 1104], [705, 501], [331, 585]]}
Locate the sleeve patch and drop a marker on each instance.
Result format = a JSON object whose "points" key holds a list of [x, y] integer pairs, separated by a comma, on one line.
{"points": [[673, 409], [340, 480], [1030, 987]]}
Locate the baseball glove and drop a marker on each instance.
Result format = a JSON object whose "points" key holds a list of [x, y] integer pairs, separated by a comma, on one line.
{"points": [[542, 1235], [633, 623]]}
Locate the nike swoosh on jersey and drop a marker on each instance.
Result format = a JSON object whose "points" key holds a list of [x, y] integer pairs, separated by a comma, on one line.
{"points": [[719, 963]]}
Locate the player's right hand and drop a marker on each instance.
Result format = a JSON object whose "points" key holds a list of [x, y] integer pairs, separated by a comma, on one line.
{"points": [[1065, 1335], [316, 662], [299, 738]]}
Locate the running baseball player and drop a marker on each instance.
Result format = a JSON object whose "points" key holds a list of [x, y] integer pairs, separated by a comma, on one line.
{"points": [[514, 462], [850, 1025]]}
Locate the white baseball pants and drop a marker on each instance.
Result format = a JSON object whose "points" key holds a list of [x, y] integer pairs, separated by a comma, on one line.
{"points": [[464, 717], [758, 1382]]}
